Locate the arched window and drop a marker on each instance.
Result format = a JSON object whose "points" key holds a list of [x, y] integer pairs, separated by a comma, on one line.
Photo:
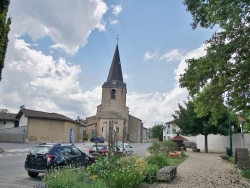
{"points": [[113, 94]]}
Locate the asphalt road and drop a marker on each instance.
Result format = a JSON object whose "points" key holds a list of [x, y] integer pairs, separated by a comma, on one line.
{"points": [[13, 174]]}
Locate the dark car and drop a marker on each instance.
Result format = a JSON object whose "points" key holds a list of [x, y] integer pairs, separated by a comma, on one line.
{"points": [[99, 139], [45, 156], [101, 150]]}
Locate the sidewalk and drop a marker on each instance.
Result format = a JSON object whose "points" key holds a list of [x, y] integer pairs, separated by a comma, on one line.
{"points": [[205, 170]]}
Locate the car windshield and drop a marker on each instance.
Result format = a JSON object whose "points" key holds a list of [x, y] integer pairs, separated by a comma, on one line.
{"points": [[40, 150], [99, 148]]}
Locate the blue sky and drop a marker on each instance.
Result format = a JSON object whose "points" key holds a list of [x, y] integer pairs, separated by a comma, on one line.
{"points": [[60, 52]]}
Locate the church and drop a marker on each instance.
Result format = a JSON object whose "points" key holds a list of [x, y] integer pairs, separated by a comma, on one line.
{"points": [[113, 109]]}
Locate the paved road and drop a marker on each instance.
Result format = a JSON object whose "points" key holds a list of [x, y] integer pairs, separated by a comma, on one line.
{"points": [[13, 174]]}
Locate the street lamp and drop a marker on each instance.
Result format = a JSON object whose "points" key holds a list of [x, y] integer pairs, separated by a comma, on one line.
{"points": [[230, 153]]}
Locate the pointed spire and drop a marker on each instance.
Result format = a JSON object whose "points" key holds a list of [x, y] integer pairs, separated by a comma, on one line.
{"points": [[115, 77], [115, 72]]}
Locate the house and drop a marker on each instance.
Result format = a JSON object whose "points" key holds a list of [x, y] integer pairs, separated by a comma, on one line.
{"points": [[47, 127], [170, 130], [145, 134], [8, 120], [113, 113]]}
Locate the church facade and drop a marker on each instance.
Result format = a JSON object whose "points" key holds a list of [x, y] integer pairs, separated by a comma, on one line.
{"points": [[113, 109]]}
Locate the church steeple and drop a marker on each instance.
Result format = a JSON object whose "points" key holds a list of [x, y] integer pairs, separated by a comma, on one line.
{"points": [[115, 78]]}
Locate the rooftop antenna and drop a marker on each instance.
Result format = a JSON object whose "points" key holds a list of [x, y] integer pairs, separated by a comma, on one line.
{"points": [[117, 38]]}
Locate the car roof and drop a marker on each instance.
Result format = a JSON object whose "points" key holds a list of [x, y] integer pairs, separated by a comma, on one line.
{"points": [[55, 144], [100, 145]]}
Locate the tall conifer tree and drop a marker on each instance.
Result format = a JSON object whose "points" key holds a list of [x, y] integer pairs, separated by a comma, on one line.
{"points": [[4, 30]]}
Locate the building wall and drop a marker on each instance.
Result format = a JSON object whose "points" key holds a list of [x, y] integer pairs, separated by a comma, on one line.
{"points": [[117, 105], [218, 143], [75, 127], [43, 130], [6, 124], [170, 131], [118, 125], [145, 135], [135, 129], [89, 129], [23, 121]]}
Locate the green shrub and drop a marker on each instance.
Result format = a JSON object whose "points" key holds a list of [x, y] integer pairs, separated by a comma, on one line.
{"points": [[159, 160], [246, 173], [129, 172], [125, 172], [151, 171], [68, 178], [183, 154], [162, 147], [102, 167]]}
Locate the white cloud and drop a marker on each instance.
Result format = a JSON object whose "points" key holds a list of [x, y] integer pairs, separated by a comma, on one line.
{"points": [[196, 53], [149, 55], [116, 9], [154, 108], [172, 55], [68, 23], [43, 83], [113, 22]]}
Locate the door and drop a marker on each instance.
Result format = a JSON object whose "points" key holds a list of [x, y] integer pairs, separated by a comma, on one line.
{"points": [[71, 136], [104, 132]]}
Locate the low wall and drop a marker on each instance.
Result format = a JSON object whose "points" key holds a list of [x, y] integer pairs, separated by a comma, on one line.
{"points": [[15, 135], [218, 143]]}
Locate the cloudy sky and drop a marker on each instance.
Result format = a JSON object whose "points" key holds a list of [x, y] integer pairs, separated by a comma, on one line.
{"points": [[60, 52]]}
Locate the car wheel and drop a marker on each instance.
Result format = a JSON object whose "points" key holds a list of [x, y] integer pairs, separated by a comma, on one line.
{"points": [[33, 174]]}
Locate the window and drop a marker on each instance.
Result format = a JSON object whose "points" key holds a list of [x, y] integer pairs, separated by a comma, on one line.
{"points": [[102, 129], [67, 151], [117, 129], [113, 94], [77, 151]]}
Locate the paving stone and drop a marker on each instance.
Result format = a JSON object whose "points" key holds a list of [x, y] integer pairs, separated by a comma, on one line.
{"points": [[205, 170]]}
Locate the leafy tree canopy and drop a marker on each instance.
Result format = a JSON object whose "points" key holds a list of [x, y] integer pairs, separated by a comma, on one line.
{"points": [[190, 124], [4, 30], [157, 132], [223, 73]]}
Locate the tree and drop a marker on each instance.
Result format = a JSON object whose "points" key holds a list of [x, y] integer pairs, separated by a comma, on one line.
{"points": [[4, 30], [224, 71], [190, 124], [157, 132]]}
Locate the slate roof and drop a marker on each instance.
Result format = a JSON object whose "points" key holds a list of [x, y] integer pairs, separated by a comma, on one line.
{"points": [[170, 122], [115, 72], [111, 115], [7, 116], [43, 115]]}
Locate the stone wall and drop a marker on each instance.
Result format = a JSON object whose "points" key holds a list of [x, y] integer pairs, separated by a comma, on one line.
{"points": [[135, 129]]}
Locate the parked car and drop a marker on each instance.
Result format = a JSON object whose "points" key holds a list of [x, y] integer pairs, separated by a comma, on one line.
{"points": [[101, 149], [125, 148], [99, 139], [45, 156]]}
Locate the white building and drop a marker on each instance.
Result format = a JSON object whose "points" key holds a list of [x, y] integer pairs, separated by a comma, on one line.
{"points": [[170, 130]]}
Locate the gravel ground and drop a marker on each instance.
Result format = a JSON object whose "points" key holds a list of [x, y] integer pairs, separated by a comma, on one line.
{"points": [[205, 170]]}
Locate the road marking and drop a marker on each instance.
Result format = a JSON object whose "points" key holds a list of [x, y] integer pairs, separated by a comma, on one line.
{"points": [[17, 150], [11, 154]]}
